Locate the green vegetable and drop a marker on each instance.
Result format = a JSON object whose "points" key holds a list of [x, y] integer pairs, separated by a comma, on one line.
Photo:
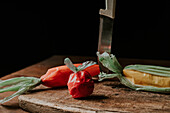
{"points": [[110, 62], [19, 84], [155, 70]]}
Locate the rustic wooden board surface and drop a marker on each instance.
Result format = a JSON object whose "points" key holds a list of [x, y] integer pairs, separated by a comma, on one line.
{"points": [[108, 96]]}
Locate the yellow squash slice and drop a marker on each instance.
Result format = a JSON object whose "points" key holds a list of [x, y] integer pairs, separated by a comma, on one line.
{"points": [[142, 78]]}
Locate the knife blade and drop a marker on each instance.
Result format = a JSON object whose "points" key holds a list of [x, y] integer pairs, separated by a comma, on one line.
{"points": [[106, 29], [106, 26]]}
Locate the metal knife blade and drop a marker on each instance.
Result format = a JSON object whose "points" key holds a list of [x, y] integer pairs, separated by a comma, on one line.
{"points": [[106, 29], [105, 34], [106, 26]]}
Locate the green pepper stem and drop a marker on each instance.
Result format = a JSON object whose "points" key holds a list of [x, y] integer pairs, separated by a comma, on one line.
{"points": [[70, 65]]}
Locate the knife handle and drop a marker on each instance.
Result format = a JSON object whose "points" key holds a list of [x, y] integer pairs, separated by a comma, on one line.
{"points": [[110, 9]]}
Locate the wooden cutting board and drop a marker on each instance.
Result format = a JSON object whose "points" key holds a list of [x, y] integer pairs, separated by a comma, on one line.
{"points": [[108, 96]]}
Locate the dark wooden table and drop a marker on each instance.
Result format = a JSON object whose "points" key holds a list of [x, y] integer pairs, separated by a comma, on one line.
{"points": [[118, 98]]}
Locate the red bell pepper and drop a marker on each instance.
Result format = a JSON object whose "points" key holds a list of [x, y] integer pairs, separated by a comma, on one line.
{"points": [[80, 82]]}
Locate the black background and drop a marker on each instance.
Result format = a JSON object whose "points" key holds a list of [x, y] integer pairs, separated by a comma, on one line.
{"points": [[31, 32]]}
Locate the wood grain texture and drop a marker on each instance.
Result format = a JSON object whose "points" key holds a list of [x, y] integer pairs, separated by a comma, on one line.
{"points": [[108, 96]]}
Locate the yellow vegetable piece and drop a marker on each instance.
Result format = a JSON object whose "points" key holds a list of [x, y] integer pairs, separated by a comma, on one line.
{"points": [[141, 78]]}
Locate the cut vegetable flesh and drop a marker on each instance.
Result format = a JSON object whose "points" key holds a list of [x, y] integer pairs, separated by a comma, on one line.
{"points": [[141, 78]]}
